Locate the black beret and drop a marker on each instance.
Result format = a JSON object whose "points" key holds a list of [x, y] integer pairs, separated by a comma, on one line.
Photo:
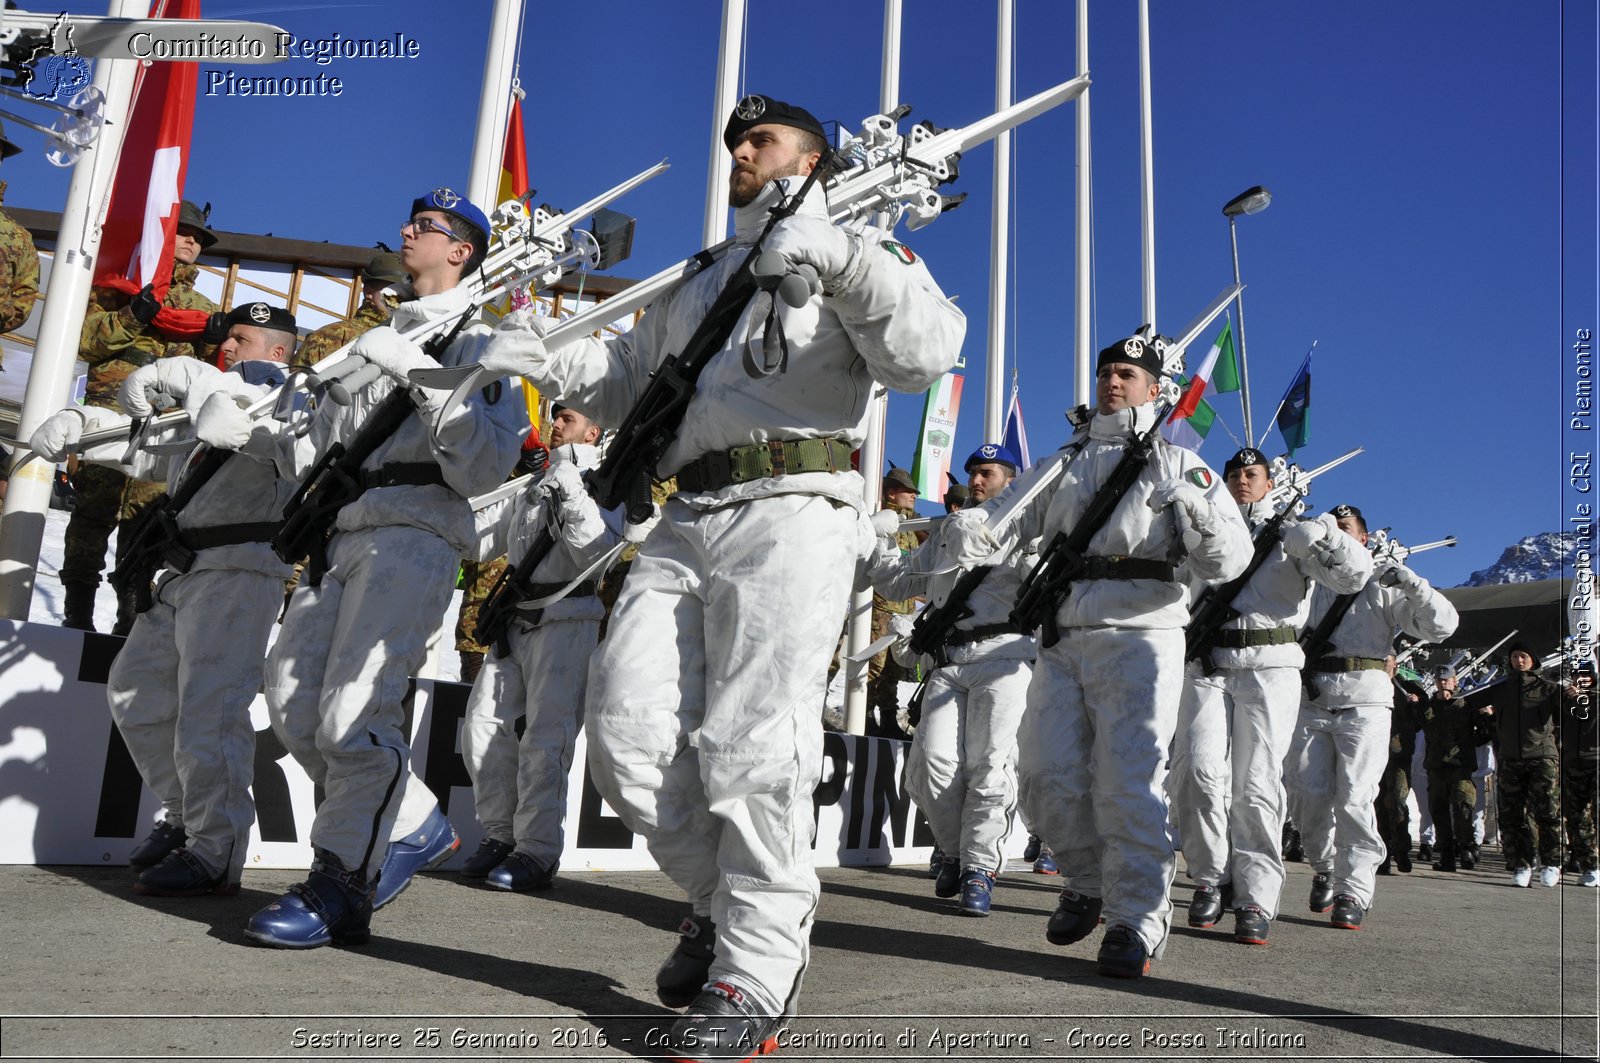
{"points": [[764, 110], [1347, 510], [1247, 456], [261, 315], [1132, 351]]}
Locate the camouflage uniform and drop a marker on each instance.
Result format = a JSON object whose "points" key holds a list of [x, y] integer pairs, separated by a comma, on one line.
{"points": [[1394, 815], [1529, 774], [329, 338], [114, 344], [478, 579], [1580, 777], [1452, 731], [19, 271], [884, 674]]}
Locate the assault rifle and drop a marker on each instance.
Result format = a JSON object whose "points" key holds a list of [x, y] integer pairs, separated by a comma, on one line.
{"points": [[514, 587], [153, 539], [1214, 609]]}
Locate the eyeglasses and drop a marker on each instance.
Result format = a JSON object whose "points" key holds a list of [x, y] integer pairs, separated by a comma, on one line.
{"points": [[423, 226]]}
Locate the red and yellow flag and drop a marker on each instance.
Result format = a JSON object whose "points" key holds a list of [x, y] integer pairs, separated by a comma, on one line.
{"points": [[513, 184]]}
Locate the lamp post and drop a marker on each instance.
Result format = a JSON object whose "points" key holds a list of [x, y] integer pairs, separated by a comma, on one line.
{"points": [[1250, 201]]}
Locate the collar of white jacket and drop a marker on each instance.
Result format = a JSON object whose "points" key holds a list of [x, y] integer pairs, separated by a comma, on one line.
{"points": [[1122, 425], [449, 303], [750, 219], [583, 455]]}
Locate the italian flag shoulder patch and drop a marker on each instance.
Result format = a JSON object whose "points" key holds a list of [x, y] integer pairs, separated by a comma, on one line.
{"points": [[899, 251], [1201, 478]]}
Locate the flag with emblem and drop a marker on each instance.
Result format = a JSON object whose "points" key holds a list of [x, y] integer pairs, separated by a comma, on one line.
{"points": [[1192, 418], [1015, 436], [1294, 409], [939, 410], [142, 220]]}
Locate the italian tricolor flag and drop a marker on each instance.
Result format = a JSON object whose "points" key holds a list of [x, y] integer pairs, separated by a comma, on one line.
{"points": [[1191, 420], [939, 411]]}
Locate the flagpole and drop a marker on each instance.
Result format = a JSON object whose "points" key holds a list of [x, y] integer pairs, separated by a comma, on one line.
{"points": [[1147, 179], [858, 626], [729, 51], [1083, 262], [60, 323], [999, 235], [494, 104]]}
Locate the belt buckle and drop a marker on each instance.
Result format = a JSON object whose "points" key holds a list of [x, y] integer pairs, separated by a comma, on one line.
{"points": [[780, 465]]}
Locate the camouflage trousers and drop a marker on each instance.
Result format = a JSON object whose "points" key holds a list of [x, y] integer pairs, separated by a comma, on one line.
{"points": [[1452, 795], [1394, 815], [1580, 786], [478, 578], [106, 498], [884, 673], [1530, 812]]}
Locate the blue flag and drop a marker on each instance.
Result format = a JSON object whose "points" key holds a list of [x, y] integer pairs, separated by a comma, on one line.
{"points": [[1294, 412]]}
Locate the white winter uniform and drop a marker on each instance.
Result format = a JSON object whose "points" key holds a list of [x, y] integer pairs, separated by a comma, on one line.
{"points": [[703, 699], [181, 686], [1234, 725], [1110, 687], [1341, 740], [521, 797], [960, 767], [338, 675]]}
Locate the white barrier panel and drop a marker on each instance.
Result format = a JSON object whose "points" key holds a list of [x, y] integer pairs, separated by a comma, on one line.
{"points": [[69, 793]]}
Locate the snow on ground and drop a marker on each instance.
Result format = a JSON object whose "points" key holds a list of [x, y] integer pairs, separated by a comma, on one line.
{"points": [[49, 603]]}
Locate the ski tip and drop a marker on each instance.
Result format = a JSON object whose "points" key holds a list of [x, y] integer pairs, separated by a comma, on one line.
{"points": [[444, 377]]}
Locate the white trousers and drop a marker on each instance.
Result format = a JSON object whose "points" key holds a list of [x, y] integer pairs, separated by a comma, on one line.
{"points": [[959, 770], [1334, 767], [1227, 778], [704, 717], [520, 786], [338, 676], [180, 693], [1092, 756]]}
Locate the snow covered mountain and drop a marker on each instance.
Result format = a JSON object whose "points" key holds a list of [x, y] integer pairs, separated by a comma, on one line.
{"points": [[1531, 558]]}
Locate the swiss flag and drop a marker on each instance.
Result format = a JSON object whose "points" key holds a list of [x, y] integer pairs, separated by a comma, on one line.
{"points": [[136, 243]]}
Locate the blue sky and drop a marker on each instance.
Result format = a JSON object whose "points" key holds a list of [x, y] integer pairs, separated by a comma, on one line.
{"points": [[1414, 151]]}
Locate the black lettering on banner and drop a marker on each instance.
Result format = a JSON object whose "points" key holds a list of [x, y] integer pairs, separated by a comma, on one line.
{"points": [[596, 830], [446, 767], [270, 788], [831, 783], [120, 786]]}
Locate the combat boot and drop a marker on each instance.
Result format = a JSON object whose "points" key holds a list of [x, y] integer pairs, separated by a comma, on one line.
{"points": [[948, 882], [723, 1023], [127, 612], [1074, 919], [1402, 861], [162, 840], [78, 608], [1425, 852], [332, 906], [688, 969], [182, 874], [1122, 954], [521, 873], [1446, 862], [486, 859], [935, 863]]}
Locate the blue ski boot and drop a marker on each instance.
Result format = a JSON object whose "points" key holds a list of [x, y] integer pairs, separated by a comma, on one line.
{"points": [[976, 887], [182, 874], [521, 873], [154, 849], [332, 906], [486, 859], [422, 850]]}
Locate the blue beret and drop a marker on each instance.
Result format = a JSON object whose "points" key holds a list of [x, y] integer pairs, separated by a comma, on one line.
{"points": [[993, 454], [451, 202]]}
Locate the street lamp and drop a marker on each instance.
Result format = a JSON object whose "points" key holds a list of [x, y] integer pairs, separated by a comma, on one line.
{"points": [[1250, 201]]}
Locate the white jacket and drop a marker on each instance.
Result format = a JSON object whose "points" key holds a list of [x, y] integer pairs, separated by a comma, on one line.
{"points": [[893, 324], [1279, 593], [583, 532], [1368, 630], [477, 446], [1134, 530]]}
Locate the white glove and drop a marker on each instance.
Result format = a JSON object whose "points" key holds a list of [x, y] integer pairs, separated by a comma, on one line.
{"points": [[832, 251], [564, 480], [886, 524], [636, 533], [1308, 536], [222, 423], [1185, 495], [965, 538], [1402, 577], [516, 347], [59, 434], [397, 356], [163, 383]]}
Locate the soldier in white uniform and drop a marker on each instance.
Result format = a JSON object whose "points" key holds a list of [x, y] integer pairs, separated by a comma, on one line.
{"points": [[181, 687], [1241, 699], [1341, 741], [540, 671], [703, 699], [959, 769], [357, 627], [1103, 704]]}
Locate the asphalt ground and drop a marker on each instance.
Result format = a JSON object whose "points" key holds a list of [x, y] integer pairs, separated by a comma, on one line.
{"points": [[1447, 966]]}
